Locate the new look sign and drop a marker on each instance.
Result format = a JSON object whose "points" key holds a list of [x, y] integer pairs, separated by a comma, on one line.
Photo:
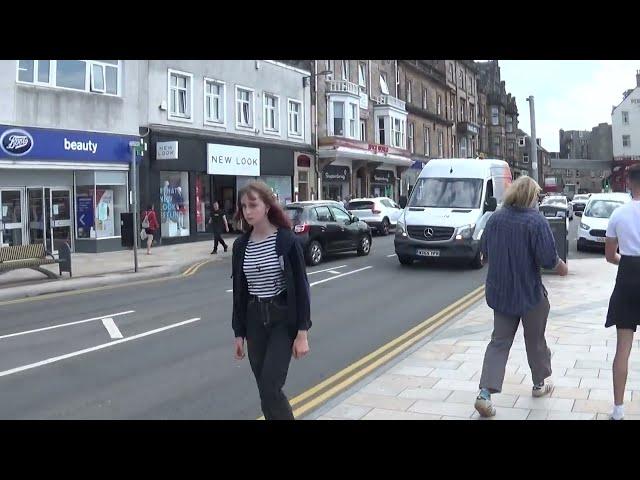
{"points": [[233, 160]]}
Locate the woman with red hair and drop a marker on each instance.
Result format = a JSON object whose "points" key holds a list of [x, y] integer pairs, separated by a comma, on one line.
{"points": [[271, 301]]}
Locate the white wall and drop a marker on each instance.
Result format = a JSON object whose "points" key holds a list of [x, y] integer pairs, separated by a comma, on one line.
{"points": [[630, 104]]}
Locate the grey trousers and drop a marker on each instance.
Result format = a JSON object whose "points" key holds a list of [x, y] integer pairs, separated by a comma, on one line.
{"points": [[534, 323]]}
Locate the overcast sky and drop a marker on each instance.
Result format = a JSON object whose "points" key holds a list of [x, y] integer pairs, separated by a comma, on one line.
{"points": [[569, 94]]}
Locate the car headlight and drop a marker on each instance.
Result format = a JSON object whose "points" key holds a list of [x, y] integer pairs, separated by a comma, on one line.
{"points": [[401, 230], [584, 226], [465, 232]]}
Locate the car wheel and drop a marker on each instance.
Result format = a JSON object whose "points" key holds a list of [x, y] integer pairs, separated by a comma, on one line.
{"points": [[579, 247], [405, 260], [476, 263], [364, 246], [384, 228], [314, 253]]}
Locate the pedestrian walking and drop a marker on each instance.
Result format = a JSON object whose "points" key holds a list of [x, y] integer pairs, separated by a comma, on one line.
{"points": [[150, 226], [623, 233], [220, 224], [271, 302], [517, 242]]}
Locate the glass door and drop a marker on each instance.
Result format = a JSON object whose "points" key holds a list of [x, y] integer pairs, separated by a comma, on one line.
{"points": [[37, 218], [60, 215], [11, 213]]}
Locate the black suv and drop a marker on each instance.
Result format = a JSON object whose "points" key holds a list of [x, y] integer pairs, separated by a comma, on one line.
{"points": [[326, 227]]}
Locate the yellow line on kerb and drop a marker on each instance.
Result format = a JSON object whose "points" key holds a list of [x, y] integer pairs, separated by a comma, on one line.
{"points": [[359, 369], [187, 273]]}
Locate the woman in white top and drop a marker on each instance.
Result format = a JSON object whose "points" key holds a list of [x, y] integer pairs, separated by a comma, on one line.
{"points": [[623, 232]]}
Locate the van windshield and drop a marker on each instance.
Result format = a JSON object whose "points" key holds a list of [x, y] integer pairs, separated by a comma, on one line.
{"points": [[447, 193]]}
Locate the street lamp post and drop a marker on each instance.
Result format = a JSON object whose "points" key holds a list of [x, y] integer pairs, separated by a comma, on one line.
{"points": [[134, 146], [534, 141]]}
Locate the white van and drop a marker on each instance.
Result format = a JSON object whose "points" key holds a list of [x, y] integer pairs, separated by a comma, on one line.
{"points": [[449, 206]]}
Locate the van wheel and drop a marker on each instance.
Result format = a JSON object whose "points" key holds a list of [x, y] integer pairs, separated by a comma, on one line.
{"points": [[314, 253], [476, 263], [405, 260]]}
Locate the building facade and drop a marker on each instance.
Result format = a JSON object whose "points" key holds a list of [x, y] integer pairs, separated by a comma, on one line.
{"points": [[625, 126], [213, 127], [362, 129], [65, 128]]}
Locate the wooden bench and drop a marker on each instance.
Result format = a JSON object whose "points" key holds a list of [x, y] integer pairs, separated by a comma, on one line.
{"points": [[34, 257]]}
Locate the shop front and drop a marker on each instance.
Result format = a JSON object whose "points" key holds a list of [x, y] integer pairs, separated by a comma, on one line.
{"points": [[185, 174], [63, 186], [382, 183], [336, 180]]}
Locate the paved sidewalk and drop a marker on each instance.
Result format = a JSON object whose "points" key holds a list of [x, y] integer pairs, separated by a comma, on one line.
{"points": [[438, 378], [109, 268]]}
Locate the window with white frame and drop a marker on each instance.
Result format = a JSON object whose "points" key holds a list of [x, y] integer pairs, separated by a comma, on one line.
{"points": [[353, 120], [460, 79], [625, 118], [180, 94], [384, 87], [463, 107], [397, 133], [522, 141], [271, 113], [362, 76], [451, 72], [441, 144], [427, 141], [381, 132], [244, 107], [452, 112], [97, 76], [363, 130], [495, 116], [345, 70], [330, 68], [439, 105], [214, 93], [424, 98], [410, 131], [409, 92], [525, 158], [338, 119], [626, 140], [295, 118], [568, 172]]}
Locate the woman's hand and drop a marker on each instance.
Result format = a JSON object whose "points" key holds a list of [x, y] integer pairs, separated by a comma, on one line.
{"points": [[239, 347], [300, 345]]}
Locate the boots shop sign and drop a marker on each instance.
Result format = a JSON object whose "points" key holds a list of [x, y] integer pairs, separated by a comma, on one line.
{"points": [[233, 160]]}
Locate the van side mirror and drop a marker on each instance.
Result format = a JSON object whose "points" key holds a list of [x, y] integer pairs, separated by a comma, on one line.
{"points": [[491, 204]]}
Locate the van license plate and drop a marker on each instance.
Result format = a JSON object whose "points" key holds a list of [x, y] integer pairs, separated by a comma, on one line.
{"points": [[427, 253], [600, 239]]}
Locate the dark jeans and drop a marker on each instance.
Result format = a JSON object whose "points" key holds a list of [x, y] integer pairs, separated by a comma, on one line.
{"points": [[217, 238], [269, 345]]}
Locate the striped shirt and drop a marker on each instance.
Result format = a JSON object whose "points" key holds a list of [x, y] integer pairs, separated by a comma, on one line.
{"points": [[265, 275], [517, 242]]}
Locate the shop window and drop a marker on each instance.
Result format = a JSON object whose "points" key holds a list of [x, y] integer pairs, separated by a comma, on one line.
{"points": [[203, 202], [100, 199], [303, 185], [174, 198]]}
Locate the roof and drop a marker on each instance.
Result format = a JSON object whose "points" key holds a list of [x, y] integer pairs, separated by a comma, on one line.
{"points": [[463, 167]]}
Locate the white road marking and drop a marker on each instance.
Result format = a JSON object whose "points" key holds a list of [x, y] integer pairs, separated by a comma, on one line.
{"points": [[66, 324], [112, 328], [389, 256], [93, 349], [338, 276], [329, 270], [325, 270]]}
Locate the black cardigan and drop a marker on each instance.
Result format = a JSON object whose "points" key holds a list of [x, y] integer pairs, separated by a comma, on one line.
{"points": [[289, 248]]}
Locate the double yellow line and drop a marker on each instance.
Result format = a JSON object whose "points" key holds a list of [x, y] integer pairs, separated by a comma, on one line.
{"points": [[335, 384], [191, 270]]}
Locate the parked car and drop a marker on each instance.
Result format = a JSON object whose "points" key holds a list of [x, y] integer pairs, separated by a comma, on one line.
{"points": [[579, 202], [559, 201], [326, 227], [595, 219], [380, 213]]}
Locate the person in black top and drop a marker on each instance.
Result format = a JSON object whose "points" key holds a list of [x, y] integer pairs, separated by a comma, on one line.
{"points": [[219, 221]]}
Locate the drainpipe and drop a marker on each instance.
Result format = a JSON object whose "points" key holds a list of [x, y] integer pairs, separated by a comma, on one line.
{"points": [[315, 126]]}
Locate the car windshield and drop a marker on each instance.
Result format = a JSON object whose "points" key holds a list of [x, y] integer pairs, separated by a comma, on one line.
{"points": [[447, 193], [581, 198], [601, 208], [555, 201]]}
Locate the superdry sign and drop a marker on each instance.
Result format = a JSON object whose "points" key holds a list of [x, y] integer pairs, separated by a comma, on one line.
{"points": [[336, 174], [382, 177], [44, 144]]}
